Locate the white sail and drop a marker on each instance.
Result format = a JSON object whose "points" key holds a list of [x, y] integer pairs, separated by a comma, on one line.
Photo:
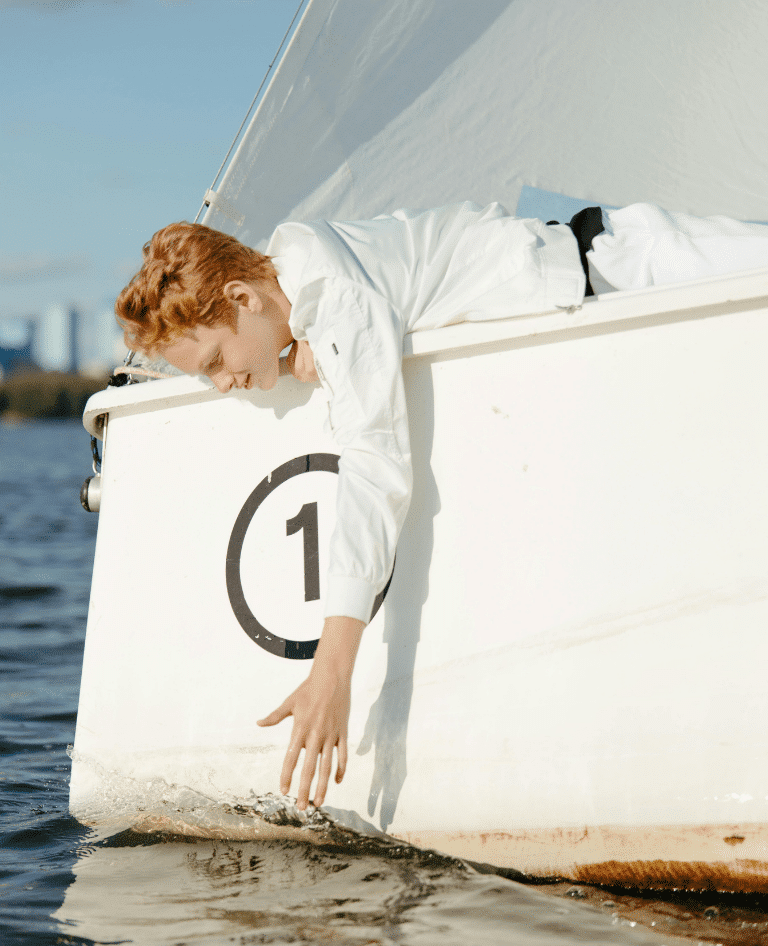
{"points": [[422, 102]]}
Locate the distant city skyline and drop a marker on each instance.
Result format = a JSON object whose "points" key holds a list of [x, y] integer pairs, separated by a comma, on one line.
{"points": [[116, 116], [63, 339]]}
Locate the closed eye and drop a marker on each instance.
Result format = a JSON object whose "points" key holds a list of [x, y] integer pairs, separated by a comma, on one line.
{"points": [[213, 363]]}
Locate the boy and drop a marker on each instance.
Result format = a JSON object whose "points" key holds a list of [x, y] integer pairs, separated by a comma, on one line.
{"points": [[343, 296]]}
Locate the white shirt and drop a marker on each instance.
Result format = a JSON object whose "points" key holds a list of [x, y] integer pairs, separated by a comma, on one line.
{"points": [[356, 289]]}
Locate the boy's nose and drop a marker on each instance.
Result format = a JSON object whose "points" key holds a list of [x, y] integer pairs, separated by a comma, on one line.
{"points": [[223, 383]]}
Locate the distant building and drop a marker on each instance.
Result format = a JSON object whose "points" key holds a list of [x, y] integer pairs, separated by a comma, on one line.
{"points": [[62, 338], [52, 348], [74, 342], [18, 352]]}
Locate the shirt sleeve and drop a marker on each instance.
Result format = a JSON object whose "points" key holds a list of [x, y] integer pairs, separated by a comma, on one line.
{"points": [[357, 343]]}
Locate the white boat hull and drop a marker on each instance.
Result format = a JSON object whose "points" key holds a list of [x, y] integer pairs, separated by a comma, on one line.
{"points": [[567, 676]]}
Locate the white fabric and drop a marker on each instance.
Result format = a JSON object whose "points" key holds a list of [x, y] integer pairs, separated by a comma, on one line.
{"points": [[379, 105], [356, 289], [644, 245]]}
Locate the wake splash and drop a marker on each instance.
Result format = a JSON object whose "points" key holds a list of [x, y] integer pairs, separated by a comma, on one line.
{"points": [[117, 802]]}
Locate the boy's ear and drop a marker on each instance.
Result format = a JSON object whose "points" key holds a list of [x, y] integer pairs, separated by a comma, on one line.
{"points": [[243, 293]]}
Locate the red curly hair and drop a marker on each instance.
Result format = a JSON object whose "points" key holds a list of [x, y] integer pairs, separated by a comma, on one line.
{"points": [[181, 284]]}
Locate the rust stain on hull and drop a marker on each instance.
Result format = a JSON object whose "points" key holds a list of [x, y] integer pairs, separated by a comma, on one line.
{"points": [[741, 876], [724, 858]]}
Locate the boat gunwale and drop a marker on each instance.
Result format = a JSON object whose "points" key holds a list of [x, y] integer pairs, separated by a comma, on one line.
{"points": [[610, 312]]}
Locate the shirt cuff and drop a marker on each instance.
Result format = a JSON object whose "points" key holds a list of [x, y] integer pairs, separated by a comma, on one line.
{"points": [[349, 598]]}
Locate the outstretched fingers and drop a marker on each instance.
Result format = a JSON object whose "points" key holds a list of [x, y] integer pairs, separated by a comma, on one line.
{"points": [[289, 764], [311, 752], [317, 759], [341, 758], [324, 773]]}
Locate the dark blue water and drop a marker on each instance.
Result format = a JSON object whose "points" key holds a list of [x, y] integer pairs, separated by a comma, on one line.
{"points": [[61, 883], [46, 555]]}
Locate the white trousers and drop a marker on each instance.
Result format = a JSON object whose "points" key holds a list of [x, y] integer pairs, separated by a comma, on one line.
{"points": [[643, 245]]}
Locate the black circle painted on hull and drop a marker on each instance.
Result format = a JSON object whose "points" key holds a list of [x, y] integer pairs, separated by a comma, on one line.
{"points": [[273, 643]]}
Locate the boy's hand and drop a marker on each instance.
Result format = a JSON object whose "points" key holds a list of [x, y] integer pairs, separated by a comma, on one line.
{"points": [[320, 710], [301, 363]]}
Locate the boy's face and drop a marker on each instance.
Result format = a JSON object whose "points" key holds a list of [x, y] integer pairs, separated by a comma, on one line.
{"points": [[246, 356]]}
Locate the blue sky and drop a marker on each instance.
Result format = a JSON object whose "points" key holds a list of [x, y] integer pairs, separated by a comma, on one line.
{"points": [[115, 118]]}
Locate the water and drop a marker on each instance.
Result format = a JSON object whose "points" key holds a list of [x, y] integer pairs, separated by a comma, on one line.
{"points": [[62, 883], [46, 553]]}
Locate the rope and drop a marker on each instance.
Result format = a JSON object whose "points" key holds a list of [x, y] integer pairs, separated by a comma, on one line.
{"points": [[146, 372], [250, 108]]}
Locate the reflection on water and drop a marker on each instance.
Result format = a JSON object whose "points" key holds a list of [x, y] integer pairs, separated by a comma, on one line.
{"points": [[160, 891]]}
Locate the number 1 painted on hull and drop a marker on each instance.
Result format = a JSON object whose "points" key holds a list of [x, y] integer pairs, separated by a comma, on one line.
{"points": [[306, 519]]}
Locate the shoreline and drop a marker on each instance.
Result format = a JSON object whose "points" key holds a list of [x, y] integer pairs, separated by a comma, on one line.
{"points": [[46, 395]]}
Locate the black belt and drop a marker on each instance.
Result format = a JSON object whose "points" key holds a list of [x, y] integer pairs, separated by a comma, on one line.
{"points": [[586, 225]]}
